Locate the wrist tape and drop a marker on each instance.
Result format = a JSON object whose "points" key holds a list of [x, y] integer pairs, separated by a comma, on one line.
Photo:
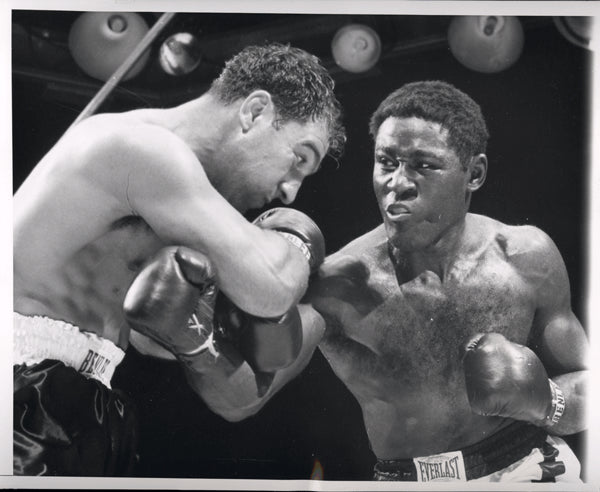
{"points": [[558, 404]]}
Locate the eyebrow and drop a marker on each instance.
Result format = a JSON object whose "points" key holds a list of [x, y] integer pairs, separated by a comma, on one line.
{"points": [[417, 153]]}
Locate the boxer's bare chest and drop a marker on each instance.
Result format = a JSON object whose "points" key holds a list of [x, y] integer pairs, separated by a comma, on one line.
{"points": [[389, 335], [89, 289], [110, 262]]}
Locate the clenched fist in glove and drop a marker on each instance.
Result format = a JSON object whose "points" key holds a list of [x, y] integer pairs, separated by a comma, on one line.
{"points": [[172, 301], [506, 379], [299, 229]]}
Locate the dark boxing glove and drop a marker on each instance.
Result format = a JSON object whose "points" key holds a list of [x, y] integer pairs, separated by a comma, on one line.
{"points": [[172, 301], [266, 344], [506, 379], [299, 229]]}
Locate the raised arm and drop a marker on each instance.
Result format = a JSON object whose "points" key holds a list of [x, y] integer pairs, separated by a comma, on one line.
{"points": [[153, 174]]}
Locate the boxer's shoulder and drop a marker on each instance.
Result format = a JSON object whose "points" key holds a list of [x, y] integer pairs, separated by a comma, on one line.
{"points": [[527, 249], [348, 277], [356, 258], [119, 136], [113, 153], [514, 242]]}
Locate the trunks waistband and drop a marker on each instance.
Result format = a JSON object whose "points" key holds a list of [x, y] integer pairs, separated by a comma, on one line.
{"points": [[494, 453], [37, 338]]}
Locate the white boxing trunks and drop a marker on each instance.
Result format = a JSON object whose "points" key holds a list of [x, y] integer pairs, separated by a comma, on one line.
{"points": [[38, 338]]}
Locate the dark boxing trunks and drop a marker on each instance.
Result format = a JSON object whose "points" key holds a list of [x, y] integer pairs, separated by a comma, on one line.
{"points": [[495, 453], [67, 419], [67, 424]]}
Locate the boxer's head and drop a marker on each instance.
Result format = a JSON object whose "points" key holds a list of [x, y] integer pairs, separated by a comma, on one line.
{"points": [[300, 87], [430, 141], [442, 103], [293, 95]]}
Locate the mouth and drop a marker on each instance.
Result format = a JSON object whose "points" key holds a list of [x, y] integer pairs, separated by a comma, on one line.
{"points": [[397, 211]]}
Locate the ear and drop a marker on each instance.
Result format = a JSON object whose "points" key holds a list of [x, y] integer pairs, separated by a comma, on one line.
{"points": [[258, 103], [477, 172]]}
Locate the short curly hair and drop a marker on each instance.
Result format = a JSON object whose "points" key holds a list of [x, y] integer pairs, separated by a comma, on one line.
{"points": [[300, 86], [440, 102]]}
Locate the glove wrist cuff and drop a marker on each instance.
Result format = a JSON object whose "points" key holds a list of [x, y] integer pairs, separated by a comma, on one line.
{"points": [[558, 404], [299, 243]]}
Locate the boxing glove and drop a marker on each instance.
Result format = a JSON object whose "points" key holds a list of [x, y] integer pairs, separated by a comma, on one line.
{"points": [[299, 229], [172, 301], [266, 344], [506, 379]]}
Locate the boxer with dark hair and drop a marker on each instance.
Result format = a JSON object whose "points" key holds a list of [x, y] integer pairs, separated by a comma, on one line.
{"points": [[111, 195], [453, 330]]}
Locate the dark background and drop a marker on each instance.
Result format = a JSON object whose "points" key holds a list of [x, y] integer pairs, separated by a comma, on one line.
{"points": [[537, 112]]}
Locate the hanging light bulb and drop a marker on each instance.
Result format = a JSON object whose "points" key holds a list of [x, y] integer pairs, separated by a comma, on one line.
{"points": [[356, 48], [577, 30], [180, 54], [100, 41], [486, 43]]}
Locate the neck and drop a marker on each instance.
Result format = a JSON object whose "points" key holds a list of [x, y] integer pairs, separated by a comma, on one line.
{"points": [[438, 257], [203, 124]]}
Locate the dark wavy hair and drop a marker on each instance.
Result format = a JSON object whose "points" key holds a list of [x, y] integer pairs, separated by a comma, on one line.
{"points": [[301, 88], [440, 102]]}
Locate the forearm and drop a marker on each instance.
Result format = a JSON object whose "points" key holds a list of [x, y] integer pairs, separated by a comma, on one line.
{"points": [[573, 385], [212, 378], [229, 385], [287, 256], [228, 389], [261, 272]]}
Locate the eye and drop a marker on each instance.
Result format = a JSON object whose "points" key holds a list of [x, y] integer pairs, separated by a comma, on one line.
{"points": [[306, 164], [424, 165], [301, 160], [385, 162]]}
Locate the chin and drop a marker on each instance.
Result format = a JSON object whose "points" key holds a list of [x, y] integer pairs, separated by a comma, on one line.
{"points": [[406, 240], [242, 203]]}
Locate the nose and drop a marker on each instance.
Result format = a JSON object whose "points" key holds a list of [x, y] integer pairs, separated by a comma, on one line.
{"points": [[288, 191], [402, 184]]}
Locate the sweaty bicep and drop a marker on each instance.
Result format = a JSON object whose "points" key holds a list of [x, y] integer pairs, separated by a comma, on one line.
{"points": [[562, 344], [557, 335]]}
